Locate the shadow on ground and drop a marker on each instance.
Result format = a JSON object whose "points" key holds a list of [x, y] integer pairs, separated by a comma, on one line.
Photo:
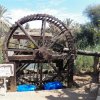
{"points": [[67, 94]]}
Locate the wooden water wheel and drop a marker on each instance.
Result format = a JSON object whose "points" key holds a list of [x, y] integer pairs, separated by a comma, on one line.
{"points": [[45, 53]]}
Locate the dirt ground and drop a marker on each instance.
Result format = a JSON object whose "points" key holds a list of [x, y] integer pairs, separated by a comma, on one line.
{"points": [[85, 92]]}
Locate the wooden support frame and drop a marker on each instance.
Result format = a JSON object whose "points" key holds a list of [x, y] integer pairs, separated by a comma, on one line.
{"points": [[13, 80], [43, 48]]}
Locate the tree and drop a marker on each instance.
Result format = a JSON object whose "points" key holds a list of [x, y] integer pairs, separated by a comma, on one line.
{"points": [[4, 25], [90, 32], [93, 12], [88, 36], [2, 11], [69, 23]]}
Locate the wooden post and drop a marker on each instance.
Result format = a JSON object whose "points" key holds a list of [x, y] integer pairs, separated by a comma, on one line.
{"points": [[5, 86], [37, 76], [59, 64], [70, 72], [95, 68], [41, 66], [95, 65], [13, 80]]}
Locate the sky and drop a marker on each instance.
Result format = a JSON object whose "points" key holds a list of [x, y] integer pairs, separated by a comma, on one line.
{"points": [[61, 9]]}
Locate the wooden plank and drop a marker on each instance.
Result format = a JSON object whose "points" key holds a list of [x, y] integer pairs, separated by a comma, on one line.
{"points": [[20, 50], [33, 36], [20, 57], [31, 57]]}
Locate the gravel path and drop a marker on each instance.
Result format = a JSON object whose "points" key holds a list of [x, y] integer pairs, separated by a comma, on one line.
{"points": [[61, 94]]}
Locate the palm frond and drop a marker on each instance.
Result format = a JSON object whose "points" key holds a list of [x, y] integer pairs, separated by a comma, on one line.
{"points": [[2, 11]]}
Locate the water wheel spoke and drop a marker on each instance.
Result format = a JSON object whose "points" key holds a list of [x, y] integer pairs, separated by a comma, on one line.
{"points": [[43, 27], [55, 69], [55, 39], [57, 35], [30, 38], [66, 65], [20, 67], [58, 76]]}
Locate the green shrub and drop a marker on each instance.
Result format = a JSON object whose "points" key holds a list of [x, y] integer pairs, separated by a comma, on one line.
{"points": [[1, 58], [84, 63]]}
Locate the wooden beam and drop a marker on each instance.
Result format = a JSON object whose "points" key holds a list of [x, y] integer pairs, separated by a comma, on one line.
{"points": [[20, 50], [43, 31], [32, 58], [33, 36], [85, 52], [79, 52], [20, 57]]}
